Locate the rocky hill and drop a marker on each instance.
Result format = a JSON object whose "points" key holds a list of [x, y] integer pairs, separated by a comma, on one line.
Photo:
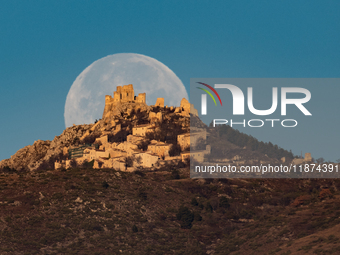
{"points": [[118, 122], [123, 112]]}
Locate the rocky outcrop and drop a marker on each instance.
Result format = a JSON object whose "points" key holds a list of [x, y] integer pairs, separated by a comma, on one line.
{"points": [[122, 112], [33, 156], [119, 109], [27, 157]]}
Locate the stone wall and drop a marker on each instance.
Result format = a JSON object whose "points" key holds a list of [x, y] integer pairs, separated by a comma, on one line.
{"points": [[160, 102], [141, 130], [155, 118], [140, 98], [159, 148], [147, 159]]}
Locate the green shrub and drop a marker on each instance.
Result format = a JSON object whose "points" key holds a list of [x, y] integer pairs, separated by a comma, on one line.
{"points": [[185, 216], [87, 165], [208, 207], [58, 196], [142, 194], [175, 174], [140, 173], [175, 150], [105, 185], [134, 229], [197, 216], [194, 202], [224, 202]]}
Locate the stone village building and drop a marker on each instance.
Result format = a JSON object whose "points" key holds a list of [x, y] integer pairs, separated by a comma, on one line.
{"points": [[194, 138]]}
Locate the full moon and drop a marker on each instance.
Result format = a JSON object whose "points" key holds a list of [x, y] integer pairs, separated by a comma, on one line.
{"points": [[85, 100]]}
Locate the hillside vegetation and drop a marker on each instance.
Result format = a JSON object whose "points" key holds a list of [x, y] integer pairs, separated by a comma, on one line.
{"points": [[243, 140], [87, 211]]}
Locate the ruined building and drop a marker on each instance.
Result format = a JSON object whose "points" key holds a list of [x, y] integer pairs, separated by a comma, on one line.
{"points": [[124, 94]]}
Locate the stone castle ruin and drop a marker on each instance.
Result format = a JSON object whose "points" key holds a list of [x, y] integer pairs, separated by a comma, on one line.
{"points": [[124, 94]]}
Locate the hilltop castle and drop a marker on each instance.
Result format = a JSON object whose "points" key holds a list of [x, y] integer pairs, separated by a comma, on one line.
{"points": [[125, 94], [121, 109]]}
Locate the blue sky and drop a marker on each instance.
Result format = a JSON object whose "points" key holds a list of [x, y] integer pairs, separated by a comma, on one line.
{"points": [[45, 45]]}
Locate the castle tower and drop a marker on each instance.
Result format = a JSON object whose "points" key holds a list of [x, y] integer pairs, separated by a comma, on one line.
{"points": [[308, 157], [123, 94], [140, 98]]}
